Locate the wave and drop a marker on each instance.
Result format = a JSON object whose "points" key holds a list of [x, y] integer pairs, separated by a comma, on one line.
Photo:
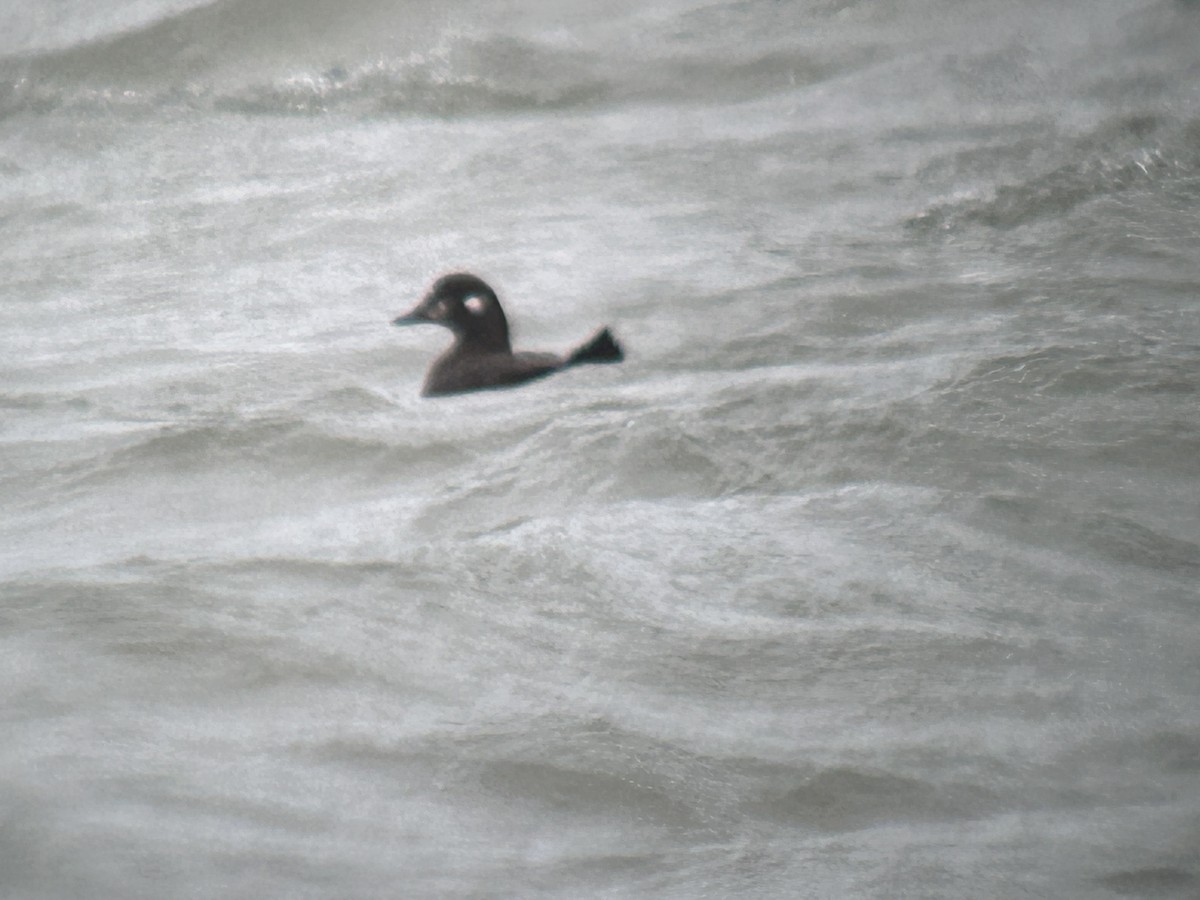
{"points": [[1139, 151], [1139, 367], [195, 57], [368, 57], [251, 452], [614, 771], [848, 799], [420, 84], [205, 37], [383, 57], [1089, 532]]}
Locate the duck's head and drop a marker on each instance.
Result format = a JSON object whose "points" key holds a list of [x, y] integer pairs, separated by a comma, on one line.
{"points": [[468, 307]]}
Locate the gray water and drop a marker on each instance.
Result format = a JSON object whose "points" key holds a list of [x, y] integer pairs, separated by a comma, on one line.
{"points": [[872, 572]]}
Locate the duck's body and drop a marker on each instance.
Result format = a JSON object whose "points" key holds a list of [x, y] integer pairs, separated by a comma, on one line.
{"points": [[482, 357]]}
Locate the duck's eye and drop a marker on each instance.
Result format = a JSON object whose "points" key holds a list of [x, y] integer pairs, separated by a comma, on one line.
{"points": [[475, 305]]}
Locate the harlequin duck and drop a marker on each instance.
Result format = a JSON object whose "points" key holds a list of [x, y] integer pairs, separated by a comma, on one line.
{"points": [[481, 357]]}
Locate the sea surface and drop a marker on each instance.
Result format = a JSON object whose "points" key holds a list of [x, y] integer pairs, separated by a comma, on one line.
{"points": [[873, 572]]}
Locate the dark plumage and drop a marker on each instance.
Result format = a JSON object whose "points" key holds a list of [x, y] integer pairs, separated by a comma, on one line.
{"points": [[481, 356]]}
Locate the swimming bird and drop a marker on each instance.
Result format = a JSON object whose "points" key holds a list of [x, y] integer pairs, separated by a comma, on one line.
{"points": [[482, 356]]}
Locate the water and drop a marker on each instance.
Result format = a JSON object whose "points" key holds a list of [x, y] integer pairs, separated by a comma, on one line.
{"points": [[872, 572]]}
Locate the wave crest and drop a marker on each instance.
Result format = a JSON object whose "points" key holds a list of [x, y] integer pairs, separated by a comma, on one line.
{"points": [[368, 57], [1138, 151]]}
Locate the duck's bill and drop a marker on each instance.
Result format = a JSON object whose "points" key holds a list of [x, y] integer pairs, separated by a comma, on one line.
{"points": [[412, 318]]}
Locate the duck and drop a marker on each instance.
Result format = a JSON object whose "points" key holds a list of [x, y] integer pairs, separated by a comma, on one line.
{"points": [[481, 357]]}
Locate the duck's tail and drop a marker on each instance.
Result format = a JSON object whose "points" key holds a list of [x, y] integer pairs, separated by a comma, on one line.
{"points": [[602, 348]]}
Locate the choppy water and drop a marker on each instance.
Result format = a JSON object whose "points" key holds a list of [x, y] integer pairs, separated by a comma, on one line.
{"points": [[871, 573]]}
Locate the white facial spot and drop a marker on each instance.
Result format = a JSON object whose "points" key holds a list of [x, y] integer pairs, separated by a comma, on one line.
{"points": [[475, 305]]}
